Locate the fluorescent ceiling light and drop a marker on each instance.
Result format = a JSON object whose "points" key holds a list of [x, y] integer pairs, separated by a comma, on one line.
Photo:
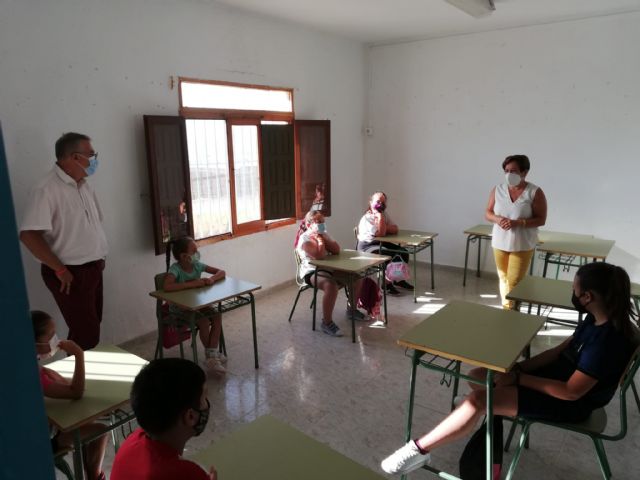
{"points": [[475, 8]]}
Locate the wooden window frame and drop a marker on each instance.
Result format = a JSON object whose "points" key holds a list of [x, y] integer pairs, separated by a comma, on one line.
{"points": [[239, 117]]}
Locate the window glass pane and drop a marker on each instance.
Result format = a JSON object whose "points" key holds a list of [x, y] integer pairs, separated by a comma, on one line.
{"points": [[247, 172], [209, 171], [207, 95]]}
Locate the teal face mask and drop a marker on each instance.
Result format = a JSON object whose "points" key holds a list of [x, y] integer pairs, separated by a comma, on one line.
{"points": [[321, 228], [195, 257]]}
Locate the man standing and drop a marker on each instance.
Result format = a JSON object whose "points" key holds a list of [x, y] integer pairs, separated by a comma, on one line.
{"points": [[62, 228]]}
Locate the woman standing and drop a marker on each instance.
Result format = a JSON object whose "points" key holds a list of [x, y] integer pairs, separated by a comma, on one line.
{"points": [[516, 208]]}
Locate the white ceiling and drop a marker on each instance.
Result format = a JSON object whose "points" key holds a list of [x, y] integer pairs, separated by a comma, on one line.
{"points": [[389, 21]]}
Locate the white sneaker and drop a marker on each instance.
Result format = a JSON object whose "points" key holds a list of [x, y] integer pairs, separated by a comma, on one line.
{"points": [[214, 352], [404, 460], [214, 365], [221, 356]]}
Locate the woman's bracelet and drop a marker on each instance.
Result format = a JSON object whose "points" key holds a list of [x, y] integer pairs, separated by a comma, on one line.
{"points": [[61, 271]]}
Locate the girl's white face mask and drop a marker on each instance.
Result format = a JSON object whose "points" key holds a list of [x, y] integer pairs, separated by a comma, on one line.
{"points": [[513, 179], [53, 347]]}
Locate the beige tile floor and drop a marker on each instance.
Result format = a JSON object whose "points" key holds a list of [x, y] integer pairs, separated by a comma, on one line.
{"points": [[353, 397]]}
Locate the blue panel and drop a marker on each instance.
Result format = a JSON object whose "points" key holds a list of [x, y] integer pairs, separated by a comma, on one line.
{"points": [[25, 450]]}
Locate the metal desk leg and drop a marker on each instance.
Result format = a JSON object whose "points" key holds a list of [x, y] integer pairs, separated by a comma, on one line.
{"points": [[194, 337], [478, 259], [315, 295], [547, 255], [456, 383], [253, 328], [466, 261], [433, 283], [489, 437], [415, 275], [78, 468], [415, 358], [352, 296], [384, 295]]}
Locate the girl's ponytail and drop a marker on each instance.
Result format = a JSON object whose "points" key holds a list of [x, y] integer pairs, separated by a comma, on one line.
{"points": [[621, 309]]}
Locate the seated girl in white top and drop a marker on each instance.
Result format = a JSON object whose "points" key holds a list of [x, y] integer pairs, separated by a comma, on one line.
{"points": [[314, 243], [376, 222]]}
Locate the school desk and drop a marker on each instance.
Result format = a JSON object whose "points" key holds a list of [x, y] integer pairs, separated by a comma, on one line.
{"points": [[475, 233], [584, 248], [485, 232], [413, 241], [476, 334], [354, 265], [268, 449], [109, 374], [225, 295]]}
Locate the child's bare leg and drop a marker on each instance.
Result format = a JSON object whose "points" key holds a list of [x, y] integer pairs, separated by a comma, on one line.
{"points": [[204, 331], [463, 419], [330, 289], [216, 328], [93, 452], [330, 293]]}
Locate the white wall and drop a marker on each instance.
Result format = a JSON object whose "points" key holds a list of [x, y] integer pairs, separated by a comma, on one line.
{"points": [[97, 67], [446, 112]]}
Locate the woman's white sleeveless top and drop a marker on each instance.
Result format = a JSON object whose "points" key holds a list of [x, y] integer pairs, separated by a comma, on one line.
{"points": [[517, 239]]}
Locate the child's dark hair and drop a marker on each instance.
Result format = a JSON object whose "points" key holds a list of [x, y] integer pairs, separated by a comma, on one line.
{"points": [[163, 390], [177, 247], [40, 320], [612, 284]]}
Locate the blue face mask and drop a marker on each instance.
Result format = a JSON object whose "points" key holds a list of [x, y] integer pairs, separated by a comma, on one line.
{"points": [[93, 165], [321, 228]]}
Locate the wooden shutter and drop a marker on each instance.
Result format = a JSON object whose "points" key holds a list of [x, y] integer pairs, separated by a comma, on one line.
{"points": [[278, 171], [313, 166], [168, 179]]}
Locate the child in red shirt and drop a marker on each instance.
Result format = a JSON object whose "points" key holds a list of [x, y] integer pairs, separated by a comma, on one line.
{"points": [[169, 398]]}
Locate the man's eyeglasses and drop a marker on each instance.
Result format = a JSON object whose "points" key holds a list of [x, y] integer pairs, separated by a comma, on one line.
{"points": [[91, 156]]}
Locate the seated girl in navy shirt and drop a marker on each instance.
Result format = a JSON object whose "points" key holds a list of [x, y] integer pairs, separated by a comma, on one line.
{"points": [[565, 383]]}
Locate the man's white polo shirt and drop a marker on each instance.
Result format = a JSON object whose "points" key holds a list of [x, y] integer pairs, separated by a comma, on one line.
{"points": [[70, 216]]}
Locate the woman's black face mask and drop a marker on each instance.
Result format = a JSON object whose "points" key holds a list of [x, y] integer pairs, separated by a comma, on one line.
{"points": [[575, 300]]}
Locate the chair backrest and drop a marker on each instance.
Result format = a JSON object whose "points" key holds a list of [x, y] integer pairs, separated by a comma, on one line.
{"points": [[299, 279], [158, 280], [625, 382], [355, 234], [634, 362]]}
